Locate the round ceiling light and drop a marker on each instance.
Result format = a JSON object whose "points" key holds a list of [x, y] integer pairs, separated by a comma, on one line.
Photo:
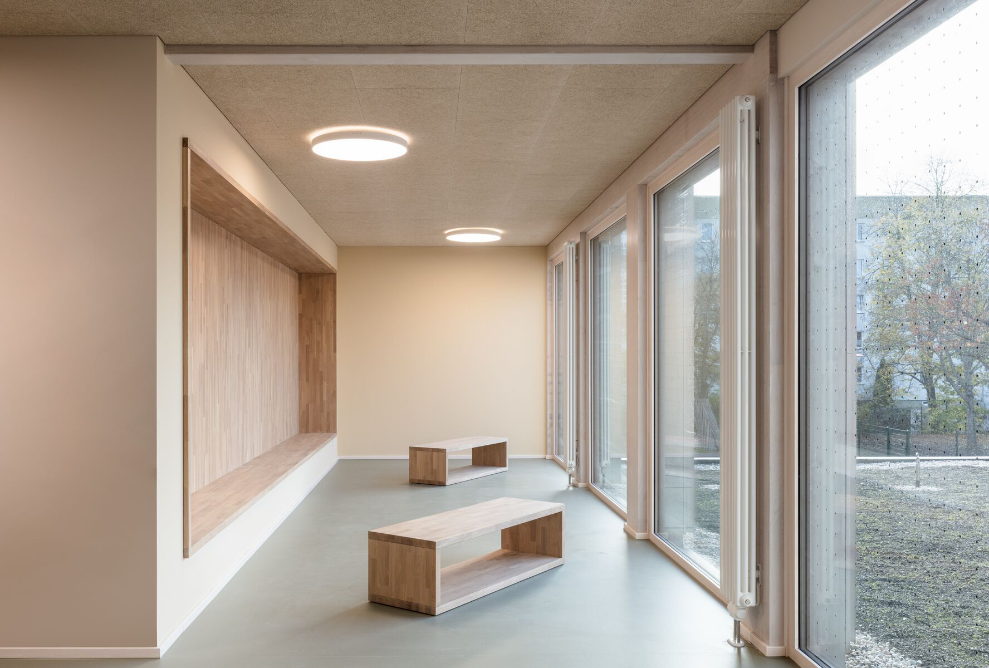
{"points": [[360, 145], [473, 235]]}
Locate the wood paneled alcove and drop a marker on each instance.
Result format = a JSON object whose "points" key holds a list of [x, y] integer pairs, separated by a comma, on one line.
{"points": [[259, 317]]}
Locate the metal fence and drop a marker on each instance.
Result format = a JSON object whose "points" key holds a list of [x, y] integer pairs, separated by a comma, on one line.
{"points": [[876, 439], [879, 440], [930, 429]]}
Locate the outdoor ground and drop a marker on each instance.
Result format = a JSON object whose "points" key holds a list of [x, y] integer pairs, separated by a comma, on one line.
{"points": [[922, 567], [922, 561], [705, 540]]}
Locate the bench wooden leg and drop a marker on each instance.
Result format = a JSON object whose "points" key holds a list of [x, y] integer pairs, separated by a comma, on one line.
{"points": [[542, 536], [490, 455], [403, 576], [427, 466]]}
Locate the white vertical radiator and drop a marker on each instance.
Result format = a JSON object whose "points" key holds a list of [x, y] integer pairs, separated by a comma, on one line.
{"points": [[570, 372], [739, 574]]}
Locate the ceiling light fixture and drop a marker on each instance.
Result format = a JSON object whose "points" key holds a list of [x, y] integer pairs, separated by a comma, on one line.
{"points": [[473, 235], [360, 145]]}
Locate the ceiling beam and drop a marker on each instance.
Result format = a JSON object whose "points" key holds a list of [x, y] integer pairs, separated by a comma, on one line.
{"points": [[457, 54]]}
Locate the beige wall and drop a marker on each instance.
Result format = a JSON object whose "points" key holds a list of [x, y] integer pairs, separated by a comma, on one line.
{"points": [[77, 343], [436, 343], [185, 584], [91, 362]]}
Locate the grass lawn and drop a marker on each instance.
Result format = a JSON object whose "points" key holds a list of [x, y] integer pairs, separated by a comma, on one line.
{"points": [[922, 564]]}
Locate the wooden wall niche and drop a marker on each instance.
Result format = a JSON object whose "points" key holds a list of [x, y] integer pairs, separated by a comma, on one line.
{"points": [[259, 311]]}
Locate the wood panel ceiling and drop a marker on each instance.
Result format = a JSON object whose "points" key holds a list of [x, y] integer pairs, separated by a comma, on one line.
{"points": [[520, 148]]}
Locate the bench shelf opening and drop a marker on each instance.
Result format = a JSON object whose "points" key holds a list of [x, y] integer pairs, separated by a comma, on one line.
{"points": [[429, 464], [404, 562]]}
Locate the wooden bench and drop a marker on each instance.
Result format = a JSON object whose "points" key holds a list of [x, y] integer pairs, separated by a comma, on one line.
{"points": [[429, 464], [212, 508], [403, 560]]}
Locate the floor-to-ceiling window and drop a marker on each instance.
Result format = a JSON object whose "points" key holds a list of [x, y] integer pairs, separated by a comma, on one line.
{"points": [[894, 346], [608, 340], [687, 449], [559, 360]]}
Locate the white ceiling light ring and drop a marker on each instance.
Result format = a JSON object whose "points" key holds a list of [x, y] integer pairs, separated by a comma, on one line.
{"points": [[474, 235], [360, 145]]}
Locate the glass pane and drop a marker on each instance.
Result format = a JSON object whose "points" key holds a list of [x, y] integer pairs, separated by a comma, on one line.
{"points": [[688, 327], [608, 362], [560, 350], [895, 347]]}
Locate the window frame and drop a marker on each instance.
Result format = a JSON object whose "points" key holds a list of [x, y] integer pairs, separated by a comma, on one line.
{"points": [[691, 157], [853, 35], [552, 359], [618, 214]]}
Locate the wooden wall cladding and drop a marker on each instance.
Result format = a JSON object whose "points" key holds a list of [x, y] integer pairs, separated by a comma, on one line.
{"points": [[317, 353], [243, 352], [259, 350], [221, 199]]}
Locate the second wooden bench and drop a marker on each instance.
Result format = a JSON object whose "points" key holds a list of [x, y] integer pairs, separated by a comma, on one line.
{"points": [[429, 464]]}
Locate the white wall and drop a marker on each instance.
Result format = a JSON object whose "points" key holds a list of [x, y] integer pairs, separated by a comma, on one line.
{"points": [[77, 343], [185, 111], [437, 343]]}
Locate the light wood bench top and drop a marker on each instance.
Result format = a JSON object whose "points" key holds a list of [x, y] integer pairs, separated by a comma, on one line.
{"points": [[462, 443], [456, 526], [219, 503]]}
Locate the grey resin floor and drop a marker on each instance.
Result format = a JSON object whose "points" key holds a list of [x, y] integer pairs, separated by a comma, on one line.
{"points": [[301, 601]]}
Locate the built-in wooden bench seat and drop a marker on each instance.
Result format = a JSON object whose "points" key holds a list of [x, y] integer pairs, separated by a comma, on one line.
{"points": [[219, 503], [404, 562], [429, 464]]}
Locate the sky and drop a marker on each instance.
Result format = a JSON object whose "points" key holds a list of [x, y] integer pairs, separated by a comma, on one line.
{"points": [[930, 100], [709, 186]]}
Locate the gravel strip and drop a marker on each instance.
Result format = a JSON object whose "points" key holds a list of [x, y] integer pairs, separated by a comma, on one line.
{"points": [[867, 652]]}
